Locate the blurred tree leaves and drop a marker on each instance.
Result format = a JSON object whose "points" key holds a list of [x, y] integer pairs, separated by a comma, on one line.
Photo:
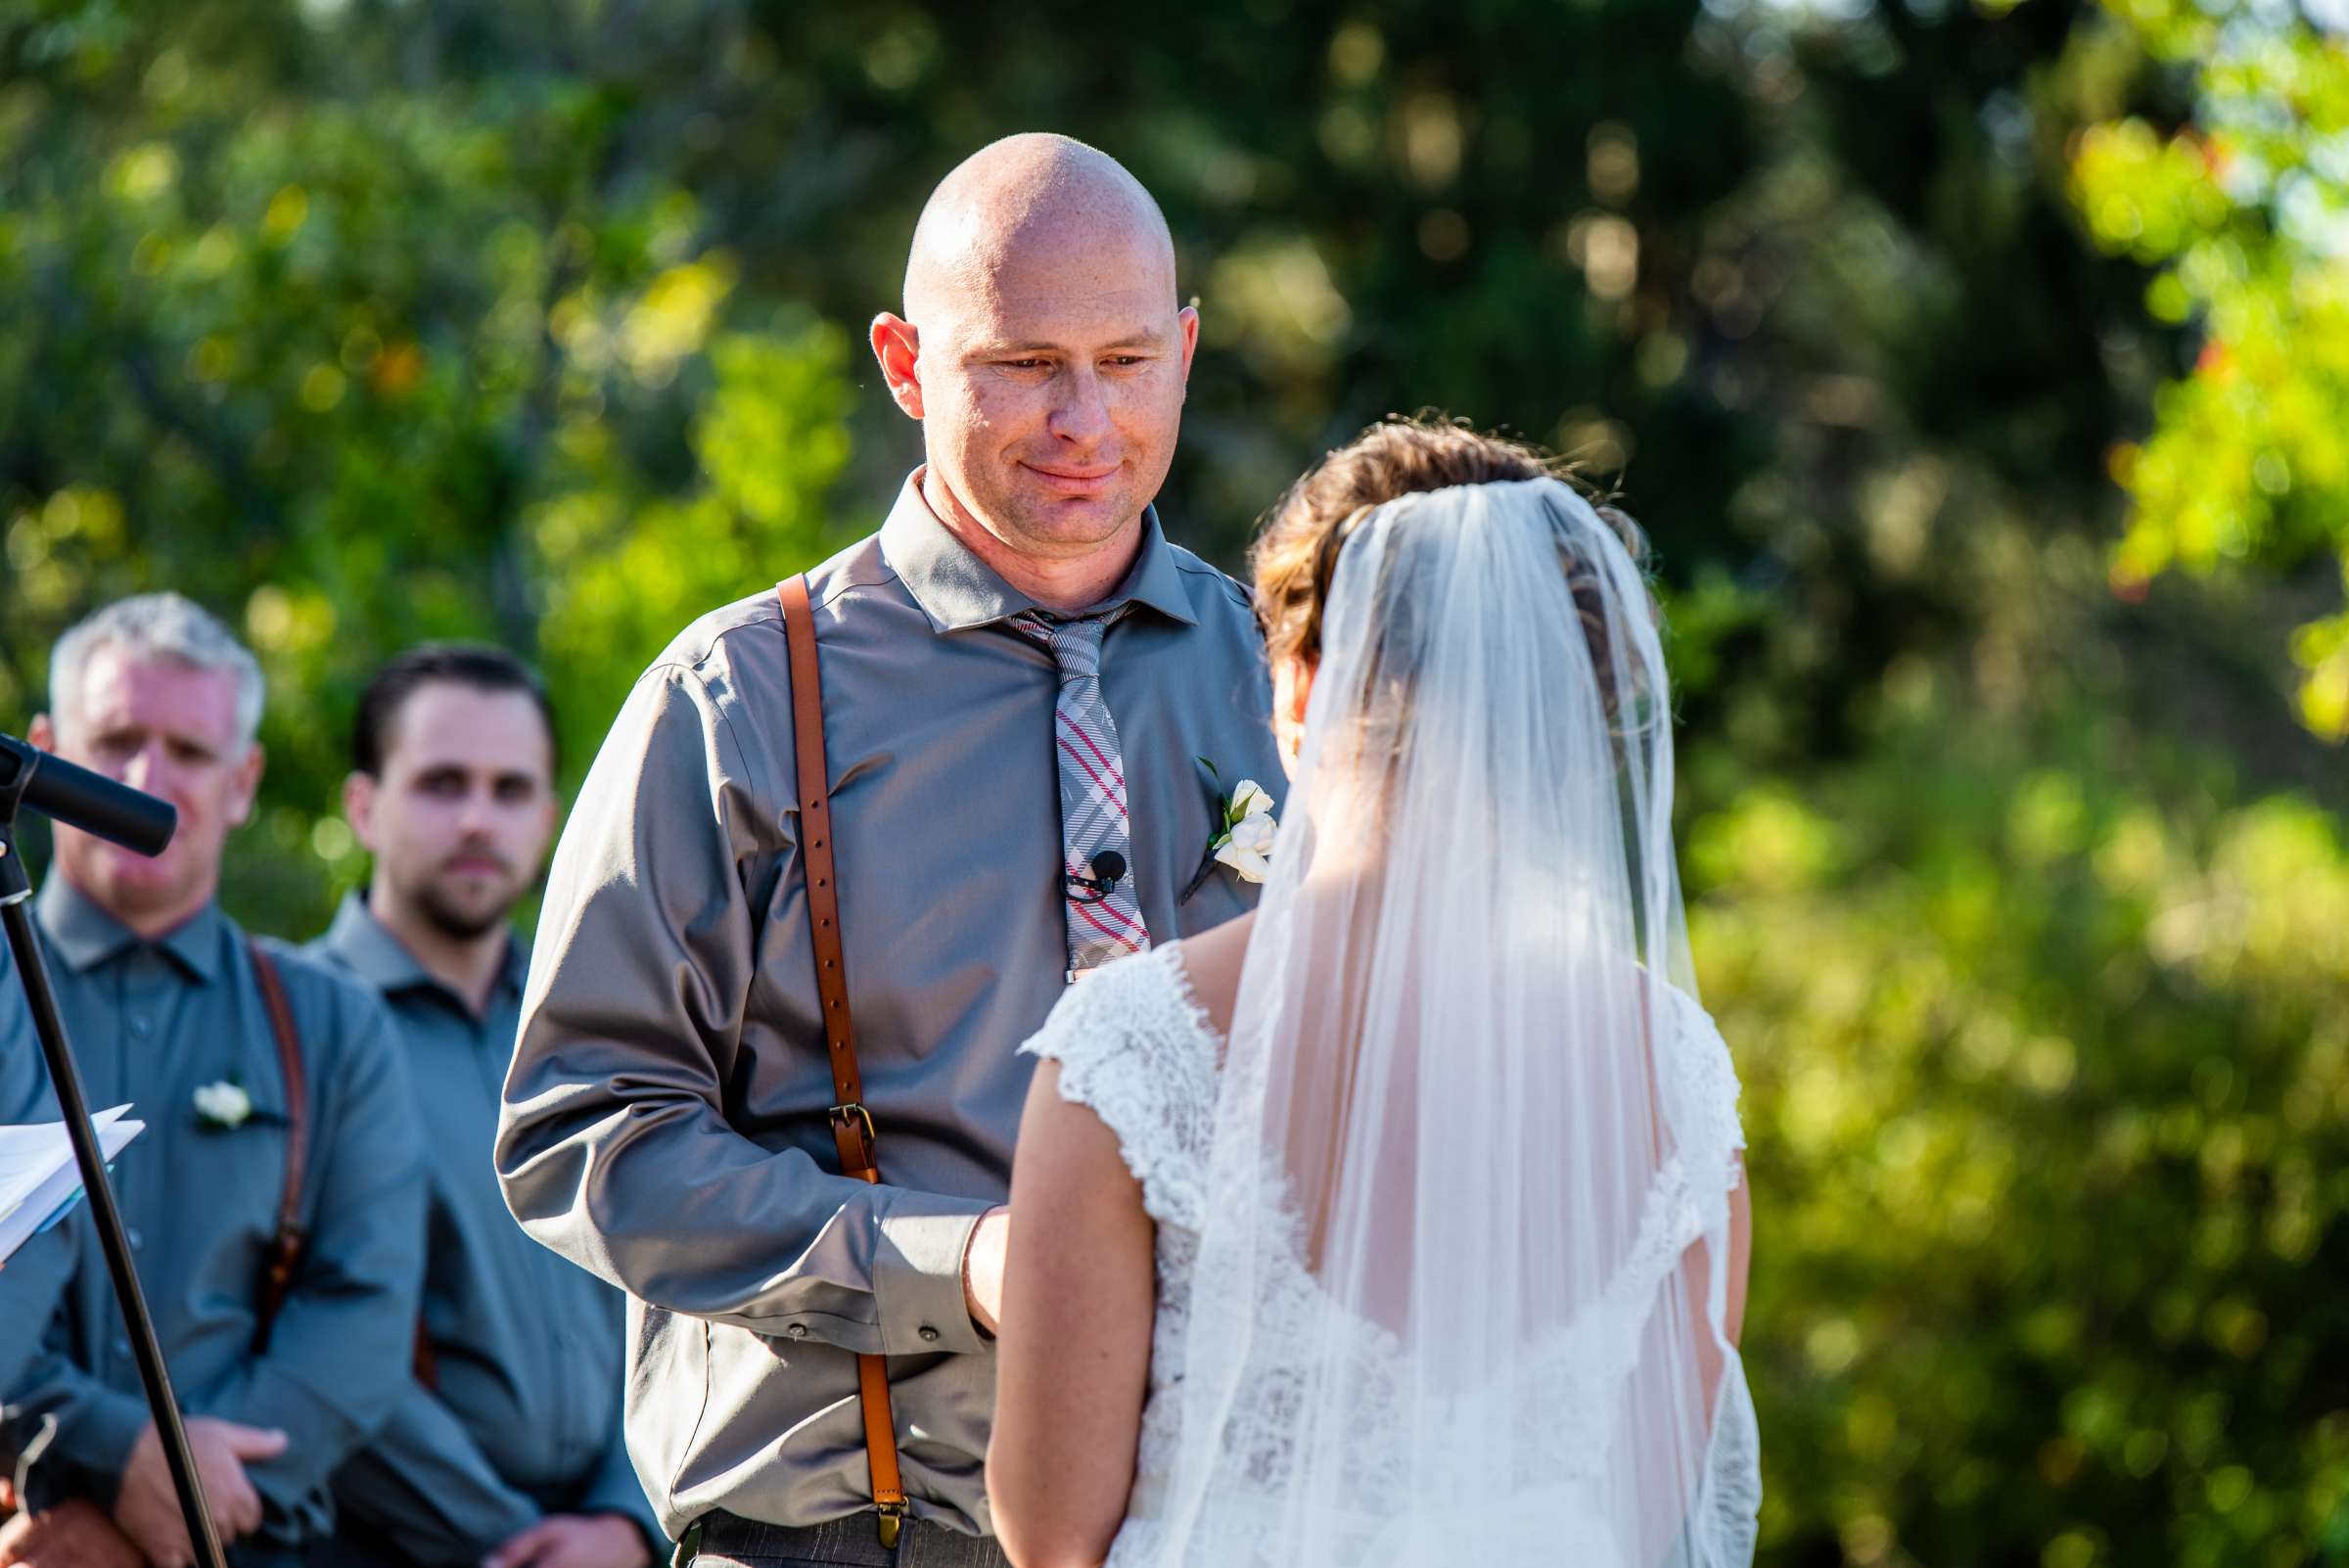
{"points": [[2047, 1066], [360, 352], [616, 575], [2018, 887], [2244, 210]]}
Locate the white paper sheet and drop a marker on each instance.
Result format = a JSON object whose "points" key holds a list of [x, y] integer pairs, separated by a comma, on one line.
{"points": [[37, 1173]]}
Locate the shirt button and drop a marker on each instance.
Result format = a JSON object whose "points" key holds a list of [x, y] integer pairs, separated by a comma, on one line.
{"points": [[136, 1238], [929, 1334], [796, 1331], [121, 1346], [140, 1026]]}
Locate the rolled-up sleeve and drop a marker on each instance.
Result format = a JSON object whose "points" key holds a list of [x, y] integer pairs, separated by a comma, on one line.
{"points": [[613, 1147]]}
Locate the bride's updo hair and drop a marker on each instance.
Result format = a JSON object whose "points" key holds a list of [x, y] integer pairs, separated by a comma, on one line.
{"points": [[1294, 557]]}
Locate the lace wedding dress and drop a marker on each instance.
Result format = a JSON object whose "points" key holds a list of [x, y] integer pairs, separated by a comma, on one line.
{"points": [[1445, 1231], [1135, 1048]]}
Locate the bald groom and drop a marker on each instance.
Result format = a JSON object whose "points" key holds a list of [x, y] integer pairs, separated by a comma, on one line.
{"points": [[1018, 673]]}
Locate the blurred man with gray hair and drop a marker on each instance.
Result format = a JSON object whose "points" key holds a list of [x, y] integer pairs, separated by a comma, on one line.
{"points": [[275, 1203]]}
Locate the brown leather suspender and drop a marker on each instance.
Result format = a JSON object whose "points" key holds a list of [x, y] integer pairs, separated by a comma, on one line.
{"points": [[852, 1122], [285, 1247]]}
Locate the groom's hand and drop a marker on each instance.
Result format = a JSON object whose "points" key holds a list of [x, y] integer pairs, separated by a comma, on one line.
{"points": [[983, 1269]]}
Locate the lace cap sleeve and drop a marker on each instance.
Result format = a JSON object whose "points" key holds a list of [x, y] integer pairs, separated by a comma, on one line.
{"points": [[1134, 1050], [1708, 1076]]}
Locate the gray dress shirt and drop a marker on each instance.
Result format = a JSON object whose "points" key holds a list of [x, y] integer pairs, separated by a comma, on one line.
{"points": [[35, 1271], [525, 1415], [152, 1022], [665, 1118], [23, 1086]]}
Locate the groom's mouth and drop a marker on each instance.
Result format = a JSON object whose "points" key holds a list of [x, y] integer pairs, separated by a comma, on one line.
{"points": [[1065, 479]]}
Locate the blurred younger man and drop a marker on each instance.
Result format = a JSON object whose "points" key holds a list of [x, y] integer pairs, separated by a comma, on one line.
{"points": [[507, 1446], [170, 1007]]}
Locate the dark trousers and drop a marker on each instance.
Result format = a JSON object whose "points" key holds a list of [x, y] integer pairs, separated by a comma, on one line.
{"points": [[728, 1541], [353, 1547], [264, 1554]]}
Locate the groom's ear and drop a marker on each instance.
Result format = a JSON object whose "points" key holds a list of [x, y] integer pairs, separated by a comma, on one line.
{"points": [[897, 345]]}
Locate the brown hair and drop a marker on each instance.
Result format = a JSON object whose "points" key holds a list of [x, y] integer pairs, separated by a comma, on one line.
{"points": [[1294, 557]]}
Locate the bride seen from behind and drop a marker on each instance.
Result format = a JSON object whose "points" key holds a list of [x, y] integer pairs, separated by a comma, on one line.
{"points": [[1403, 1223]]}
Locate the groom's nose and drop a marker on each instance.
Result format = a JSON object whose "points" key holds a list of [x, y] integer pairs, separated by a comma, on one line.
{"points": [[1080, 413]]}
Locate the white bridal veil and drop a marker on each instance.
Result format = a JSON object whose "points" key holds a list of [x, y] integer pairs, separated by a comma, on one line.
{"points": [[1461, 1286]]}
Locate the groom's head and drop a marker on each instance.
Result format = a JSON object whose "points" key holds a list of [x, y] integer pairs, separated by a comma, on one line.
{"points": [[1042, 346]]}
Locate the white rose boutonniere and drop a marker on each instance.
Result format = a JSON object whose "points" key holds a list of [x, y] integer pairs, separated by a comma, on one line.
{"points": [[224, 1105], [1242, 839], [1249, 841]]}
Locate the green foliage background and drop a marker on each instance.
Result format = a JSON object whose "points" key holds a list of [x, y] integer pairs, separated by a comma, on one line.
{"points": [[1925, 338]]}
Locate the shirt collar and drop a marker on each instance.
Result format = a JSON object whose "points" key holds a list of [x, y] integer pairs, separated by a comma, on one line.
{"points": [[369, 949], [958, 592], [85, 934], [372, 953], [515, 973]]}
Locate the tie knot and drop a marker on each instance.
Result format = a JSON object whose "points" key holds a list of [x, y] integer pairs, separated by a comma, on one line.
{"points": [[1076, 642]]}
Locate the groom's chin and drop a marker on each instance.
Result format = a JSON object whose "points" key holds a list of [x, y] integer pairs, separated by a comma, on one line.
{"points": [[1046, 488], [1076, 519]]}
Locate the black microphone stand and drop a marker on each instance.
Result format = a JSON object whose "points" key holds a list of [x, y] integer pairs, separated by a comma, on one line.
{"points": [[15, 887]]}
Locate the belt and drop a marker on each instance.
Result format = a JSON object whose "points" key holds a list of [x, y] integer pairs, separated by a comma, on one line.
{"points": [[849, 1543]]}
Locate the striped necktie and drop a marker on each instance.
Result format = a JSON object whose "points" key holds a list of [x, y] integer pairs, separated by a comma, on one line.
{"points": [[1102, 923]]}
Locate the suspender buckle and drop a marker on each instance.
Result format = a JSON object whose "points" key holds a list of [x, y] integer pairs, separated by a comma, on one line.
{"points": [[842, 1113], [891, 1519], [852, 1131]]}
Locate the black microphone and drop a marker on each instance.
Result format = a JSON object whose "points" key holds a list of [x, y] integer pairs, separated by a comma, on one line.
{"points": [[90, 801], [1108, 866]]}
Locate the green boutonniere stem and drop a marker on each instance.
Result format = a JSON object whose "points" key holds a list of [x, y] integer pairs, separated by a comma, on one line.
{"points": [[1207, 868], [1246, 803], [1207, 862]]}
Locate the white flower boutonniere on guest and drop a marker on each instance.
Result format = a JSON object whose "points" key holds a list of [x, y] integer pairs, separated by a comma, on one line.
{"points": [[1242, 839], [224, 1105]]}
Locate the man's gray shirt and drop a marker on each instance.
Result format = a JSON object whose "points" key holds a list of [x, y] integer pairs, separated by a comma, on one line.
{"points": [[151, 1023], [24, 1083], [523, 1419], [666, 1116], [32, 1276]]}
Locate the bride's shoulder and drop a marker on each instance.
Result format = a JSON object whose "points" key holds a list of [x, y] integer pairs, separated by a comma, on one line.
{"points": [[1691, 1017], [1139, 1005], [1131, 1046], [1704, 1069], [1208, 968]]}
